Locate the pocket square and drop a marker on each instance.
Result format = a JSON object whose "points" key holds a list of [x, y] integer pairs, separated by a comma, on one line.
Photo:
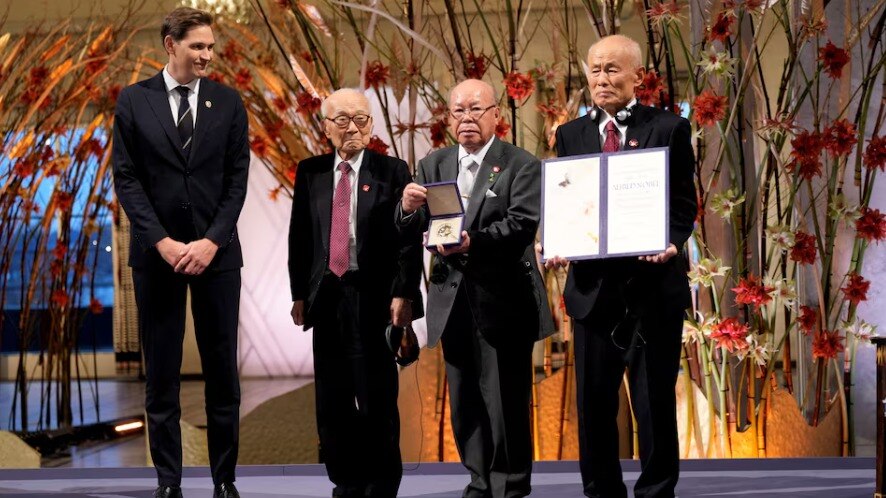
{"points": [[490, 194]]}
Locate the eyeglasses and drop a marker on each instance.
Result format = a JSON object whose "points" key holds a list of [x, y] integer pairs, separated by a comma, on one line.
{"points": [[344, 121], [475, 112]]}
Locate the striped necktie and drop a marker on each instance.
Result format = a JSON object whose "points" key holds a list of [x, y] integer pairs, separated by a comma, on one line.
{"points": [[185, 121]]}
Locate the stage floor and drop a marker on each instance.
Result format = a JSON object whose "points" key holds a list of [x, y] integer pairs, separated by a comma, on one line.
{"points": [[750, 478]]}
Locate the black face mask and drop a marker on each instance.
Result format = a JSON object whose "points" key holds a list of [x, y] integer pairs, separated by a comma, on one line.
{"points": [[394, 335]]}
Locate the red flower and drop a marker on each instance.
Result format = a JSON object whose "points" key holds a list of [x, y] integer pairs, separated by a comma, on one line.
{"points": [[280, 103], [114, 93], [663, 10], [377, 145], [95, 307], [59, 298], [804, 249], [290, 171], [232, 53], [438, 133], [476, 65], [833, 58], [751, 292], [840, 137], [807, 319], [55, 268], [730, 335], [502, 128], [63, 201], [243, 79], [86, 148], [875, 154], [259, 146], [871, 225], [307, 103], [24, 167], [552, 111], [709, 108], [827, 345], [273, 129], [519, 85], [720, 30], [856, 290], [806, 156], [649, 92], [59, 251], [377, 74], [216, 77]]}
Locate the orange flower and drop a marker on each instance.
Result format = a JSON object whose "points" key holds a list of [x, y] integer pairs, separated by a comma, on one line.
{"points": [[827, 345], [95, 306], [871, 225], [377, 74], [840, 137], [833, 58], [502, 128], [290, 171], [856, 290], [807, 319], [875, 154], [519, 85], [804, 249], [730, 335], [377, 145], [721, 29], [475, 65], [259, 146], [751, 292], [709, 108], [649, 92]]}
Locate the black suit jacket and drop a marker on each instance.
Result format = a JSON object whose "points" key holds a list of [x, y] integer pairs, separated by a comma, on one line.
{"points": [[389, 262], [165, 193], [637, 282], [504, 287]]}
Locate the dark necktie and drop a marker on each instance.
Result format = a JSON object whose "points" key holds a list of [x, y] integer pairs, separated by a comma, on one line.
{"points": [[612, 143], [340, 231], [185, 121]]}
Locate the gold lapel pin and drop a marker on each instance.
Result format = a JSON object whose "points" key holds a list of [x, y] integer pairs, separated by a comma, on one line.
{"points": [[208, 104]]}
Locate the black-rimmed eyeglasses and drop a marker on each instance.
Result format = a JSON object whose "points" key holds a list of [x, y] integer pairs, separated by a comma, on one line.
{"points": [[474, 112], [344, 121]]}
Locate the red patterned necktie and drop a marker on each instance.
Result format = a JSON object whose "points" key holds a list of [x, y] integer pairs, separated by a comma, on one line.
{"points": [[612, 143], [339, 231]]}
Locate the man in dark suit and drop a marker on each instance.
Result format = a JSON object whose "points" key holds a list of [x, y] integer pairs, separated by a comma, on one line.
{"points": [[351, 274], [181, 157], [486, 298], [628, 312]]}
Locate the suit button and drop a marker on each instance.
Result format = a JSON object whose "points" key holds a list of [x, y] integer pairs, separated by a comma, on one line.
{"points": [[187, 172], [453, 284], [185, 205], [527, 264]]}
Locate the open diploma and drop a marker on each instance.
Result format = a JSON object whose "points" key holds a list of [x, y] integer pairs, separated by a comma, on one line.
{"points": [[606, 205]]}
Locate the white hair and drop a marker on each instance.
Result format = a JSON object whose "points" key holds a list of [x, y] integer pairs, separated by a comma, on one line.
{"points": [[629, 45], [328, 101]]}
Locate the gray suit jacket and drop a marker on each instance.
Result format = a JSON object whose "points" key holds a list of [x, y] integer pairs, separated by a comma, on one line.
{"points": [[505, 290]]}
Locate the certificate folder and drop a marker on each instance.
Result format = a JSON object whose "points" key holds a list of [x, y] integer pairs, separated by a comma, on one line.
{"points": [[446, 212], [605, 205]]}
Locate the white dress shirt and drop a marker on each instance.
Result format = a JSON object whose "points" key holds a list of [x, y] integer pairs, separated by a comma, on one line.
{"points": [[353, 176], [174, 96], [622, 128]]}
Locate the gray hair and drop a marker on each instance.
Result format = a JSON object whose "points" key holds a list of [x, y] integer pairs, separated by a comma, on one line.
{"points": [[328, 101], [629, 45]]}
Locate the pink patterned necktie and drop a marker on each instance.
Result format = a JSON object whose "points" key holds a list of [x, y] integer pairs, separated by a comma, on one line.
{"points": [[339, 231], [612, 143]]}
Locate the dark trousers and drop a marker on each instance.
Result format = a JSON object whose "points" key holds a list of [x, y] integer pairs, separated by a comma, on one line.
{"points": [[356, 384], [490, 394], [652, 357], [215, 302]]}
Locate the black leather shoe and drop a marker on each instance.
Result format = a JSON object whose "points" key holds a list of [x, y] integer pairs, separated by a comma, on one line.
{"points": [[168, 492], [225, 490]]}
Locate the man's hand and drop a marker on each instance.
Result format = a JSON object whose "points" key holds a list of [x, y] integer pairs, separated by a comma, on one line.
{"points": [[298, 312], [401, 312], [171, 250], [554, 262], [414, 197], [459, 249], [661, 257], [197, 257]]}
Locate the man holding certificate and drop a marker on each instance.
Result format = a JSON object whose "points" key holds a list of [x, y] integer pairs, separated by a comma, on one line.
{"points": [[628, 310], [486, 293]]}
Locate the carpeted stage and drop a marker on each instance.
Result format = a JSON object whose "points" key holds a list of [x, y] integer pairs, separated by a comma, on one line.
{"points": [[750, 478]]}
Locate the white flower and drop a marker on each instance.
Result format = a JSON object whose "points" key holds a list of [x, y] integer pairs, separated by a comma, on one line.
{"points": [[698, 331], [840, 210], [717, 63], [726, 203], [860, 329], [781, 236], [704, 272], [759, 353], [783, 290]]}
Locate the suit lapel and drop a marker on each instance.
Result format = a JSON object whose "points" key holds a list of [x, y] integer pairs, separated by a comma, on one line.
{"points": [[367, 190], [159, 101], [204, 112], [483, 181], [639, 129], [449, 165], [323, 198], [590, 136]]}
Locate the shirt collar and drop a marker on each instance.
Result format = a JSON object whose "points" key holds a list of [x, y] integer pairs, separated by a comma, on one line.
{"points": [[172, 84], [606, 118], [355, 161], [465, 157]]}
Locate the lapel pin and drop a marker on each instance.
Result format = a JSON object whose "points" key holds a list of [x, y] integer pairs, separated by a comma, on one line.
{"points": [[496, 169], [633, 142], [208, 104], [366, 188]]}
